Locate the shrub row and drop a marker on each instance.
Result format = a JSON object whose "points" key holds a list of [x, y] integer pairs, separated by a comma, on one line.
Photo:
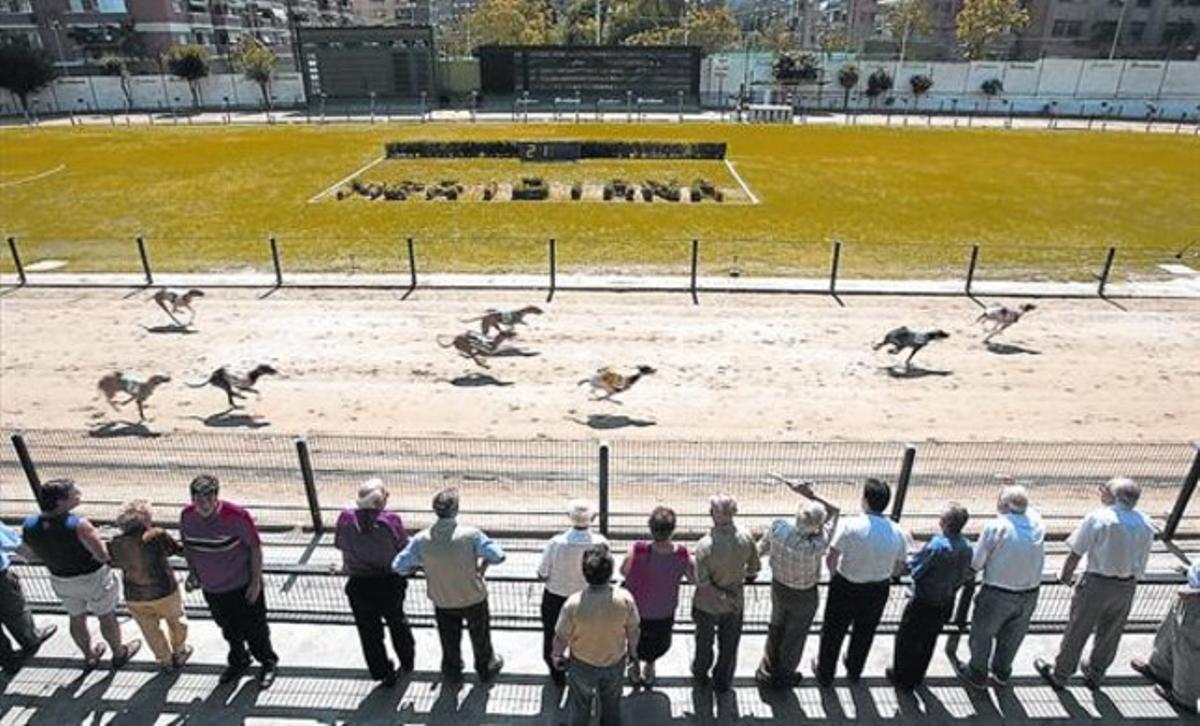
{"points": [[587, 149]]}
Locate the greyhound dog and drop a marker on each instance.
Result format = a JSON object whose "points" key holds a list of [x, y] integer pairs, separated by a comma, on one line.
{"points": [[612, 382], [232, 384], [901, 338], [473, 345], [174, 302], [509, 319], [137, 390], [1002, 317]]}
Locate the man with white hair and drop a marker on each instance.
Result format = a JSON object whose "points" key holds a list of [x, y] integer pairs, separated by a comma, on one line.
{"points": [[369, 537], [795, 549], [1116, 540], [561, 569], [1174, 663], [726, 559], [1010, 553]]}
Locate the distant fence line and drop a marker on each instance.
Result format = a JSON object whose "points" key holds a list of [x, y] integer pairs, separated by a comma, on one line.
{"points": [[1102, 264], [520, 487]]}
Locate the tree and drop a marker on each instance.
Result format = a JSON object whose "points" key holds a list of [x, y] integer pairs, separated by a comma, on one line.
{"points": [[25, 70], [906, 18], [502, 22], [713, 29], [189, 62], [115, 65], [982, 21], [878, 83], [847, 78], [991, 87], [920, 85], [777, 36], [793, 68], [257, 63]]}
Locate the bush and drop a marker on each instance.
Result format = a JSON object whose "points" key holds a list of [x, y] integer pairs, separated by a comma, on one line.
{"points": [[920, 84], [531, 188], [992, 87], [878, 83], [587, 149]]}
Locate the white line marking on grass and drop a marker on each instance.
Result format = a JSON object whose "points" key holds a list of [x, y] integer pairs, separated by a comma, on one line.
{"points": [[742, 182], [35, 177], [337, 184]]}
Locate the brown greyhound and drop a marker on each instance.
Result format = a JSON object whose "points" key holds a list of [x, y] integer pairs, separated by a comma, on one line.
{"points": [[137, 390]]}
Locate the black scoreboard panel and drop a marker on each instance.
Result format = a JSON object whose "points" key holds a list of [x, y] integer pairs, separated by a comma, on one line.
{"points": [[550, 151], [592, 71]]}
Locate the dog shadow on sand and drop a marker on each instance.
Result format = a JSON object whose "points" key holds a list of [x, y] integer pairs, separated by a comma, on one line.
{"points": [[899, 371], [611, 421], [513, 351], [176, 328], [228, 419], [476, 379], [1009, 349], [120, 429]]}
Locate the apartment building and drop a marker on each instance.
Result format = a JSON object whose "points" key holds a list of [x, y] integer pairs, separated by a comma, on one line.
{"points": [[1125, 28], [391, 12]]}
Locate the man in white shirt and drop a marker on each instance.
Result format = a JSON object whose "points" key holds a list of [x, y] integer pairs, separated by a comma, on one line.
{"points": [[561, 569], [866, 552], [1116, 540], [1010, 553]]}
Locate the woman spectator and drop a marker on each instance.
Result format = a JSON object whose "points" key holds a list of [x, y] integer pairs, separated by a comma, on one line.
{"points": [[151, 591], [653, 571]]}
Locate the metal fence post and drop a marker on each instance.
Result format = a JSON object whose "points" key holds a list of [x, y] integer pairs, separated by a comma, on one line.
{"points": [[906, 469], [833, 266], [553, 266], [141, 246], [971, 268], [31, 475], [310, 484], [603, 484], [1108, 263], [1181, 502], [16, 255], [695, 263], [412, 265], [275, 260]]}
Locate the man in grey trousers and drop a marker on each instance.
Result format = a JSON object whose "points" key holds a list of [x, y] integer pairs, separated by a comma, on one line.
{"points": [[1010, 553], [1116, 540]]}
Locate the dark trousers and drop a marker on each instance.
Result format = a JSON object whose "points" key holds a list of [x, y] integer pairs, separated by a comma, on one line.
{"points": [[792, 613], [243, 625], [920, 626], [450, 627], [855, 607], [15, 617], [551, 606], [656, 639], [726, 630], [590, 687], [376, 601]]}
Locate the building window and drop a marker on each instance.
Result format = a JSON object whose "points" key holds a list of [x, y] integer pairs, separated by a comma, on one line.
{"points": [[19, 6], [112, 6], [76, 6], [1104, 30], [1137, 31]]}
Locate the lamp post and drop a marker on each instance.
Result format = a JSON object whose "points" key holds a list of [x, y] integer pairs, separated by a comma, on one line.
{"points": [[1112, 51], [56, 26]]}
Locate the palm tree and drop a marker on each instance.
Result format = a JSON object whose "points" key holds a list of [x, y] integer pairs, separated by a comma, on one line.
{"points": [[847, 78]]}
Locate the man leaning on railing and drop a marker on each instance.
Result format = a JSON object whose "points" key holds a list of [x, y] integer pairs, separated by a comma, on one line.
{"points": [[1174, 664], [455, 558]]}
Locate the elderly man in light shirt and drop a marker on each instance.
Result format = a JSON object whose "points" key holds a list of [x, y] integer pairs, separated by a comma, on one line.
{"points": [[561, 570], [726, 559], [1115, 540], [600, 627], [455, 558], [795, 549], [866, 553], [1010, 553], [1174, 663]]}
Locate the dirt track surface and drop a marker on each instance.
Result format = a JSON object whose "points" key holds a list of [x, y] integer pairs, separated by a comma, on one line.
{"points": [[743, 367]]}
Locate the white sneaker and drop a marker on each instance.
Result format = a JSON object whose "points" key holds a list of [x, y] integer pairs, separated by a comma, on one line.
{"points": [[635, 673], [648, 674]]}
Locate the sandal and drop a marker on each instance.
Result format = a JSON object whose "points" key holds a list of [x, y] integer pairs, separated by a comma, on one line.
{"points": [[93, 662], [181, 656], [127, 654]]}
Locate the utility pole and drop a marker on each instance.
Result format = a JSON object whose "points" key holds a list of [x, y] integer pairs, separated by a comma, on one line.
{"points": [[597, 22], [1112, 51]]}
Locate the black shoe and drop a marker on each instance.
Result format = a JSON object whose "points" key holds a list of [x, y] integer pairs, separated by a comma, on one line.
{"points": [[40, 635], [127, 653], [852, 677], [1089, 679], [1142, 667], [493, 669], [823, 683], [266, 675], [389, 681], [964, 674], [1046, 671], [233, 672]]}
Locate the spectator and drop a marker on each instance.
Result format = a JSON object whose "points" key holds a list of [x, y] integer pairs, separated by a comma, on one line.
{"points": [[560, 570], [1175, 661], [938, 570], [455, 558], [1116, 540], [72, 550], [225, 556], [652, 574], [151, 592], [726, 559], [867, 551], [1010, 553], [370, 537], [14, 611], [795, 550], [599, 626]]}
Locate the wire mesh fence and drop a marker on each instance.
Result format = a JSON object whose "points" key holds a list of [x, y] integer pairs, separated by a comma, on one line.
{"points": [[514, 485]]}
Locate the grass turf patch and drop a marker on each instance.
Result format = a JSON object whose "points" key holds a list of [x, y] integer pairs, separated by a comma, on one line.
{"points": [[907, 201]]}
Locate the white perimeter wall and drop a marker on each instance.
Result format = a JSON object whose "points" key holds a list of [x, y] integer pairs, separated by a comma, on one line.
{"points": [[90, 94], [1075, 86]]}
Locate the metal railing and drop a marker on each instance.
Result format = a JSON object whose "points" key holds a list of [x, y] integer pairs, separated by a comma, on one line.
{"points": [[516, 486]]}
